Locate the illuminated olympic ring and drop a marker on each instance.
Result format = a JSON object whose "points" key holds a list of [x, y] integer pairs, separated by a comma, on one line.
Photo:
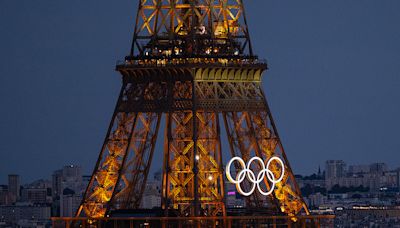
{"points": [[251, 177]]}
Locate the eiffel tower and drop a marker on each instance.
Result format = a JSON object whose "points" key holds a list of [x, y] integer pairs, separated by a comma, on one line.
{"points": [[192, 61]]}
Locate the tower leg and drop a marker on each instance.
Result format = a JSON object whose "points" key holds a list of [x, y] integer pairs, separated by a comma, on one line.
{"points": [[126, 154], [181, 163], [179, 159], [108, 166], [209, 163], [287, 191], [134, 174], [242, 142]]}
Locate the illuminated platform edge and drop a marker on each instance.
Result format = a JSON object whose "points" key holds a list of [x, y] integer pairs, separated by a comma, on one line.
{"points": [[222, 221]]}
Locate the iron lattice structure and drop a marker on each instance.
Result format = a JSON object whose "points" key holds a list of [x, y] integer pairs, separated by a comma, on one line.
{"points": [[192, 61]]}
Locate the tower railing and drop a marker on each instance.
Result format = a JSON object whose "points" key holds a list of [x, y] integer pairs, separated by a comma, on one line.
{"points": [[177, 62], [223, 221]]}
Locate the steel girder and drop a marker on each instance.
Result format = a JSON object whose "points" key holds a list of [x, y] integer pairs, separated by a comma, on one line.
{"points": [[254, 134], [209, 164], [166, 25], [124, 159], [228, 96], [242, 143], [287, 191], [108, 166], [179, 174], [193, 179], [130, 187], [193, 182]]}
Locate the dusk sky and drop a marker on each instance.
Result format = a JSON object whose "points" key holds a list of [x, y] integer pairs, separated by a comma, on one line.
{"points": [[333, 84]]}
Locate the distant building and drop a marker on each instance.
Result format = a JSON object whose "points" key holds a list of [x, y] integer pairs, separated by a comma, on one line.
{"points": [[41, 183], [68, 188], [34, 195], [69, 176], [358, 169], [314, 180], [378, 168], [316, 199], [335, 169], [367, 216], [233, 199], [56, 183], [5, 197], [375, 177], [151, 201], [14, 187], [12, 215], [152, 195], [72, 172], [69, 203]]}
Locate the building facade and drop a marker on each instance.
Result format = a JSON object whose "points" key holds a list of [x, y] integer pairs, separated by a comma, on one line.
{"points": [[14, 186]]}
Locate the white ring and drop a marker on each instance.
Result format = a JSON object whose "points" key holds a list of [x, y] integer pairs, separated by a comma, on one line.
{"points": [[228, 169], [282, 165]]}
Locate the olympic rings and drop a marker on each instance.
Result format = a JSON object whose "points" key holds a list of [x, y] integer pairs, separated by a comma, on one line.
{"points": [[251, 177]]}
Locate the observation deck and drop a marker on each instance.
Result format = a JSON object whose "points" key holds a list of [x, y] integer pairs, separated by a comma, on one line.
{"points": [[198, 68]]}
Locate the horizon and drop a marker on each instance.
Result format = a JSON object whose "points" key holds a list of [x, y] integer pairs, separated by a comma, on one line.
{"points": [[152, 171]]}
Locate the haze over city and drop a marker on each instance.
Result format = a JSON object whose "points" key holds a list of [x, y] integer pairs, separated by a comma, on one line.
{"points": [[333, 83]]}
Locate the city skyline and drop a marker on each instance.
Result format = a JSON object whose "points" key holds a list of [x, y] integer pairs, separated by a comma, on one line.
{"points": [[369, 189], [319, 170], [332, 82]]}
